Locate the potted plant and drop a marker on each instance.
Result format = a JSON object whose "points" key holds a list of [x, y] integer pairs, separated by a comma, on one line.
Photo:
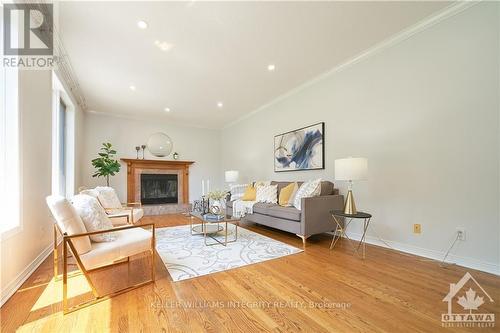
{"points": [[217, 196], [105, 164]]}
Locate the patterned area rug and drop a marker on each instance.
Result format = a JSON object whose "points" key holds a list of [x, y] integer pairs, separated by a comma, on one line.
{"points": [[186, 256]]}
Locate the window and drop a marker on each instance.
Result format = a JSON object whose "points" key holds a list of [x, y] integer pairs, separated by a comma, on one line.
{"points": [[63, 140], [61, 126]]}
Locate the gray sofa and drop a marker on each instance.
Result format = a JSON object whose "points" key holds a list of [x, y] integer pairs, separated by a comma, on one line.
{"points": [[314, 218]]}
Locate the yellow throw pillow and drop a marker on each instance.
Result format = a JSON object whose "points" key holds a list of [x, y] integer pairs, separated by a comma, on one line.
{"points": [[287, 194], [250, 194]]}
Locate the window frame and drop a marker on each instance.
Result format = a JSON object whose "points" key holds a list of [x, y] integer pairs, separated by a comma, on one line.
{"points": [[59, 95]]}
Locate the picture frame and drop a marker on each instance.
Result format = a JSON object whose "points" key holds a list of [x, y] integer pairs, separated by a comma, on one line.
{"points": [[301, 149]]}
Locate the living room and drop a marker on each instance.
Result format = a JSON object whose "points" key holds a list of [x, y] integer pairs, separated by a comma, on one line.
{"points": [[265, 166]]}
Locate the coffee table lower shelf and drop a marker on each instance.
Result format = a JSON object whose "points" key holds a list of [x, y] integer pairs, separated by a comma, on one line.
{"points": [[210, 229]]}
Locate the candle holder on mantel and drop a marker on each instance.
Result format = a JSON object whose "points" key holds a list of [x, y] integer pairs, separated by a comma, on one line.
{"points": [[143, 149], [137, 148]]}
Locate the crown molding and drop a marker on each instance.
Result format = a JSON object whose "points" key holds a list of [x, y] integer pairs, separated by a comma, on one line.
{"points": [[403, 35], [149, 119]]}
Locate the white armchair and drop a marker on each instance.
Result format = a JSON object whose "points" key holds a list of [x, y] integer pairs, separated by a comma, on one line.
{"points": [[131, 240], [121, 213]]}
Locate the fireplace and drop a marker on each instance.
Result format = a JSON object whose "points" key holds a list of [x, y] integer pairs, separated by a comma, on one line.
{"points": [[159, 188], [136, 169]]}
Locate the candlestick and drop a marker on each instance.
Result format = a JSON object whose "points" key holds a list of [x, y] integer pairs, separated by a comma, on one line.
{"points": [[202, 187]]}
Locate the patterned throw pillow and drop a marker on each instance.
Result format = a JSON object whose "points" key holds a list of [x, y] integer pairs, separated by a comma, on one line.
{"points": [[237, 191], [108, 197], [93, 216], [287, 195], [308, 189], [268, 194], [262, 183]]}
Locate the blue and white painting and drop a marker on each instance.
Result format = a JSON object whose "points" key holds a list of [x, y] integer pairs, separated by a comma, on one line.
{"points": [[302, 149]]}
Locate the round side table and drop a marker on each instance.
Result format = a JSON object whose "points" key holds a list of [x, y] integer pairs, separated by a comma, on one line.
{"points": [[337, 214]]}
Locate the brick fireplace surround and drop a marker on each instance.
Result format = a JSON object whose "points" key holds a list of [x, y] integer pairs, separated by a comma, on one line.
{"points": [[136, 167]]}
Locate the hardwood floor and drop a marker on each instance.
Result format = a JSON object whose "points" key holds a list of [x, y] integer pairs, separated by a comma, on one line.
{"points": [[387, 292]]}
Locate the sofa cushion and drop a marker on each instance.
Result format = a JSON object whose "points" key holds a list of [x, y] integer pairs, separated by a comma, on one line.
{"points": [[261, 207], [128, 243], [327, 188], [289, 213]]}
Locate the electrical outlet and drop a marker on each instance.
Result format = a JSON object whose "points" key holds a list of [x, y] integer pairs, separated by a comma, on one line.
{"points": [[461, 233], [417, 228]]}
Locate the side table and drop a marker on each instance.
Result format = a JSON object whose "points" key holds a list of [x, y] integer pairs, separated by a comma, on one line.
{"points": [[336, 214]]}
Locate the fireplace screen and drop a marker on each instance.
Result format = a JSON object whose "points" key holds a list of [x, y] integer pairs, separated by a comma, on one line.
{"points": [[158, 189]]}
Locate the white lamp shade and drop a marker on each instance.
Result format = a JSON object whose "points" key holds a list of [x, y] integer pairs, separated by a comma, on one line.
{"points": [[351, 168], [231, 176]]}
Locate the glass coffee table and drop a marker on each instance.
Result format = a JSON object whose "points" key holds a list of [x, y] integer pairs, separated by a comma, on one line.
{"points": [[211, 228]]}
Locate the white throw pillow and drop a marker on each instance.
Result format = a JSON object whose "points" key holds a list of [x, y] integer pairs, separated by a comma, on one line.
{"points": [[93, 216], [108, 197], [237, 191], [92, 192], [262, 183], [308, 189], [268, 194]]}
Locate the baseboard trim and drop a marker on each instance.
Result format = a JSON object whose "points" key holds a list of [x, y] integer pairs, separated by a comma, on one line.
{"points": [[431, 254], [13, 286]]}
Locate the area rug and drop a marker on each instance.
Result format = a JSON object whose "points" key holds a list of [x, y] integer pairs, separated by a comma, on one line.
{"points": [[186, 256]]}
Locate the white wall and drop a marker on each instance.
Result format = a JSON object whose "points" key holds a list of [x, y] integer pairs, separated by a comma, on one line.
{"points": [[23, 251], [193, 144], [425, 112]]}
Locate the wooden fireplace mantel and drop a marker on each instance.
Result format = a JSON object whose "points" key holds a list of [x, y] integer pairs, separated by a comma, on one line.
{"points": [[135, 164]]}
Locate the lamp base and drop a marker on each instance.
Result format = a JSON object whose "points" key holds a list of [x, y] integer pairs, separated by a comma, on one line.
{"points": [[350, 206]]}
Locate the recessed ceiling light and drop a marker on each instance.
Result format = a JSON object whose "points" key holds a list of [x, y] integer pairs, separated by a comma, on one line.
{"points": [[142, 24], [271, 67], [219, 104], [132, 87], [164, 46], [167, 109]]}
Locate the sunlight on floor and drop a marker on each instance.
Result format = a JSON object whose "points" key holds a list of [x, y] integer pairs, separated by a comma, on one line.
{"points": [[77, 285], [94, 318]]}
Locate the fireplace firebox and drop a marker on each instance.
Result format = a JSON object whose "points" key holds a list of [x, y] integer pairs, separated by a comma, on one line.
{"points": [[159, 189]]}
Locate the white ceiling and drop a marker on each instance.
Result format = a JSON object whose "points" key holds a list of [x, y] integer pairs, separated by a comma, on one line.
{"points": [[220, 51]]}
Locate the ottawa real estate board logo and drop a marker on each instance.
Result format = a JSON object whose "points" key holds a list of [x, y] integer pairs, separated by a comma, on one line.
{"points": [[28, 41], [470, 296]]}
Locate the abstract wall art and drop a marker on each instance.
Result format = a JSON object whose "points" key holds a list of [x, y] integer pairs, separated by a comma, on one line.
{"points": [[301, 149]]}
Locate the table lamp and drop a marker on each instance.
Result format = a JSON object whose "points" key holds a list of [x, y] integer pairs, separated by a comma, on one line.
{"points": [[349, 169], [231, 176]]}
